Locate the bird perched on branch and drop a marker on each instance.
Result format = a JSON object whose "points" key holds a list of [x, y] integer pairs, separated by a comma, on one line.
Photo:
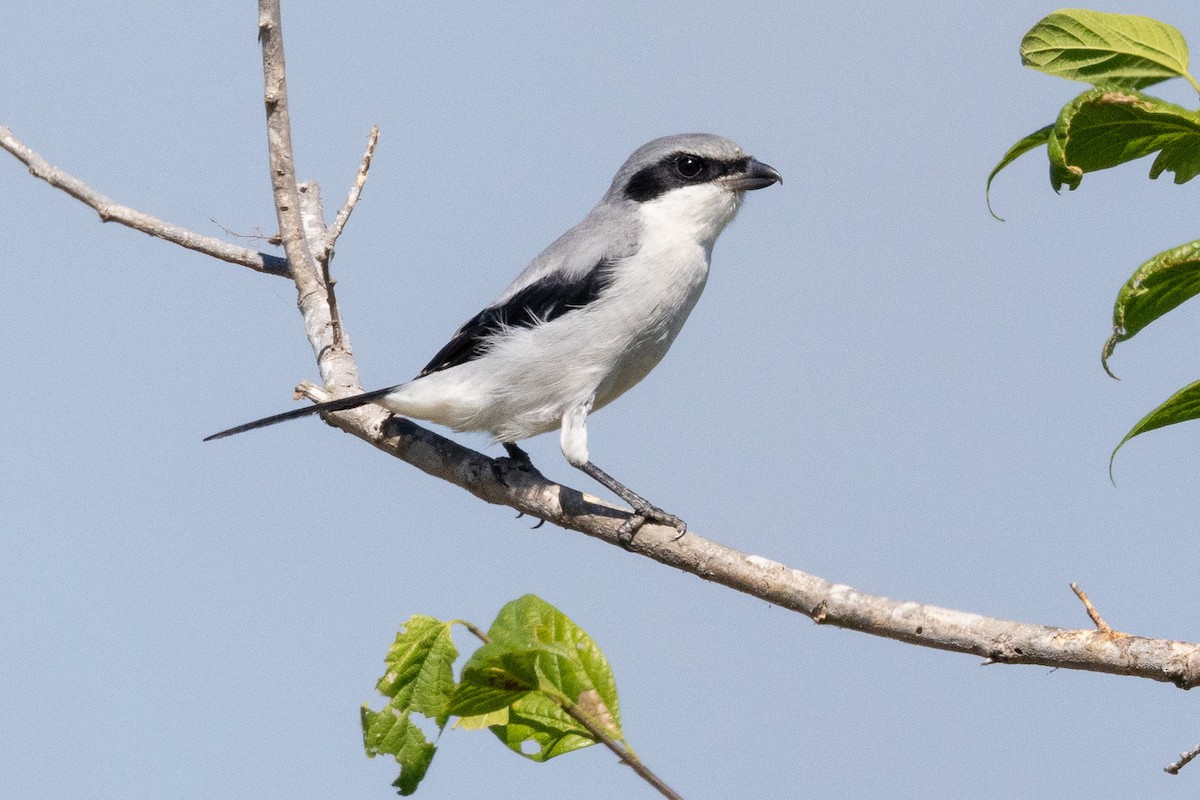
{"points": [[589, 317]]}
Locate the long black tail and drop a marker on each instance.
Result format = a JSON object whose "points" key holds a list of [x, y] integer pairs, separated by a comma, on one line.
{"points": [[319, 408]]}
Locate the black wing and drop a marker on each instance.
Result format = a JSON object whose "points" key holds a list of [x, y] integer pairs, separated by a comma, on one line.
{"points": [[541, 301]]}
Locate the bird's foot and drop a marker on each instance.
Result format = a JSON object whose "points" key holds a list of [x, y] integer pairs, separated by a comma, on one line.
{"points": [[647, 513], [516, 459], [518, 455], [643, 511]]}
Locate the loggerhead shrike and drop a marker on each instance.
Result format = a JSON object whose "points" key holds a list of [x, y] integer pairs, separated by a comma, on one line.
{"points": [[589, 317]]}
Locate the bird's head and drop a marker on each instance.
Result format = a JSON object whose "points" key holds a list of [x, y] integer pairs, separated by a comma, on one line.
{"points": [[693, 182]]}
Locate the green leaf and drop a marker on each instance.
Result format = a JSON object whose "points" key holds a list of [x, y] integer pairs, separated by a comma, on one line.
{"points": [[568, 661], [1102, 128], [420, 664], [484, 691], [1035, 139], [1120, 50], [537, 660], [1182, 406], [539, 729], [419, 679], [480, 721], [1183, 159], [1156, 287], [394, 733]]}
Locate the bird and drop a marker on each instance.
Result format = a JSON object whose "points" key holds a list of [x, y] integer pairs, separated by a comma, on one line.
{"points": [[588, 318]]}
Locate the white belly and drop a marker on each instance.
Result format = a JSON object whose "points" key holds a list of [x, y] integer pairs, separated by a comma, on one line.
{"points": [[526, 382]]}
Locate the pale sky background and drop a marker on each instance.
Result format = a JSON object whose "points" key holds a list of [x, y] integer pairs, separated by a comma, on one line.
{"points": [[882, 385]]}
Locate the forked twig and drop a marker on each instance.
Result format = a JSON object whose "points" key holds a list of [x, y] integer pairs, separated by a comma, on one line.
{"points": [[343, 215]]}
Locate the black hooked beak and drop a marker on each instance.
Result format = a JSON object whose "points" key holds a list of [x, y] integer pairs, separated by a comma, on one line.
{"points": [[757, 175]]}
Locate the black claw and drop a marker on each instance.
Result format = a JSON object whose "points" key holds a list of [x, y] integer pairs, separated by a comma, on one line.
{"points": [[629, 529], [541, 522], [634, 522]]}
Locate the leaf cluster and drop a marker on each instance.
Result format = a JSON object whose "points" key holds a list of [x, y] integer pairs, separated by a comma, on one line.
{"points": [[539, 683], [1113, 123]]}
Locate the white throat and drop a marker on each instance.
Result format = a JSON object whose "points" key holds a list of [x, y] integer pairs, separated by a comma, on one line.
{"points": [[693, 213]]}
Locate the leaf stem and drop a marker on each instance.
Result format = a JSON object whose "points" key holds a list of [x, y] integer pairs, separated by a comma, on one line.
{"points": [[1192, 81], [623, 752]]}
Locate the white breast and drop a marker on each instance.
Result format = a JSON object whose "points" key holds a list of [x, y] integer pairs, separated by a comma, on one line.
{"points": [[660, 284]]}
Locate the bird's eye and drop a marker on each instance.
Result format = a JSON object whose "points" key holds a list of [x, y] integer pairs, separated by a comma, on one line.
{"points": [[689, 167]]}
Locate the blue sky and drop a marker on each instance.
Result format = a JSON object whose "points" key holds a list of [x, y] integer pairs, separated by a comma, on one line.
{"points": [[882, 385]]}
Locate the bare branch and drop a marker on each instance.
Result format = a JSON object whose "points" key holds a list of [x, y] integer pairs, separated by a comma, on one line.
{"points": [[111, 211], [1184, 760], [996, 640]]}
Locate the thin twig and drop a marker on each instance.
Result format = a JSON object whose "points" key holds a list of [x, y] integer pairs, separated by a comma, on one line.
{"points": [[325, 254], [476, 631], [335, 316], [343, 215], [1184, 760], [259, 235], [623, 752], [111, 211], [1099, 622]]}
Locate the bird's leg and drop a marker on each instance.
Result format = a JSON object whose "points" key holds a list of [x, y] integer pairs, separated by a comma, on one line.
{"points": [[573, 439], [643, 510]]}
